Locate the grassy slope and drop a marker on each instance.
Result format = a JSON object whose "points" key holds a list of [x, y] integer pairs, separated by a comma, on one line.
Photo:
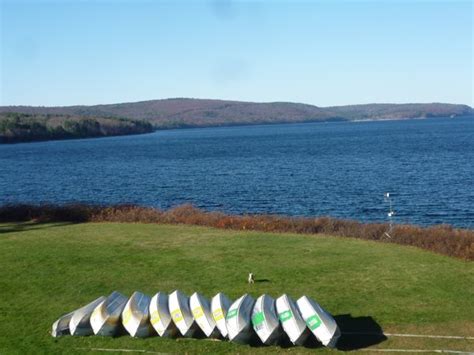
{"points": [[48, 270]]}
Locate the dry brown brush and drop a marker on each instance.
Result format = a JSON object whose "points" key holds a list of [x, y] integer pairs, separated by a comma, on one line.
{"points": [[442, 239]]}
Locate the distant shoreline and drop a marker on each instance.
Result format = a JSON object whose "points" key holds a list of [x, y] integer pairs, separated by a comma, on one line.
{"points": [[42, 140], [31, 139], [146, 116]]}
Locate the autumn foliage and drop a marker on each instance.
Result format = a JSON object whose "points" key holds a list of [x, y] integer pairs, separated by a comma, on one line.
{"points": [[442, 239]]}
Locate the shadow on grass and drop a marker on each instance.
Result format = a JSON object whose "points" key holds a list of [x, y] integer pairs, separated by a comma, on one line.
{"points": [[310, 343], [27, 226], [358, 332]]}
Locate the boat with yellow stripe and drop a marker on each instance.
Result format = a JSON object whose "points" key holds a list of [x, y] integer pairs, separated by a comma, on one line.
{"points": [[178, 305], [160, 316], [220, 304], [105, 319], [201, 309], [136, 316]]}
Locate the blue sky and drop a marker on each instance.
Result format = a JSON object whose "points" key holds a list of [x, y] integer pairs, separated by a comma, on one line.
{"points": [[318, 52]]}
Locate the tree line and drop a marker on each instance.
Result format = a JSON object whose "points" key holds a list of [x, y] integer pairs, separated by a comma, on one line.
{"points": [[20, 127]]}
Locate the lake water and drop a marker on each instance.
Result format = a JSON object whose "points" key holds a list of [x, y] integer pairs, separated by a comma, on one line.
{"points": [[335, 169]]}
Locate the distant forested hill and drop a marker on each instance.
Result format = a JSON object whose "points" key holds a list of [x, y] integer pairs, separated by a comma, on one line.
{"points": [[23, 127], [400, 111], [28, 123], [175, 113]]}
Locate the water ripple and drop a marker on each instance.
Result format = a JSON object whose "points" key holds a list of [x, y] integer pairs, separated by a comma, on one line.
{"points": [[336, 169]]}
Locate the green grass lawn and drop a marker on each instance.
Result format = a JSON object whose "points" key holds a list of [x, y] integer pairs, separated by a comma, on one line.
{"points": [[47, 270]]}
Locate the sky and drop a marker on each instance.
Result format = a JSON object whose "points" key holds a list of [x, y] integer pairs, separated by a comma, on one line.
{"points": [[323, 53]]}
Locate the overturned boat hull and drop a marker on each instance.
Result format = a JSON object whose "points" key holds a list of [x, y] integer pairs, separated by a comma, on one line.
{"points": [[243, 321], [220, 304], [238, 320], [105, 319], [79, 324], [292, 322], [265, 320], [201, 309], [160, 316], [319, 321], [61, 326], [136, 316], [178, 305]]}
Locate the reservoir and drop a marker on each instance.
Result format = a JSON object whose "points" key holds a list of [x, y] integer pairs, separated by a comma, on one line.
{"points": [[339, 169]]}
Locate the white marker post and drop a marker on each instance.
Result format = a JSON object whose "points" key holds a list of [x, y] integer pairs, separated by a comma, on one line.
{"points": [[390, 214]]}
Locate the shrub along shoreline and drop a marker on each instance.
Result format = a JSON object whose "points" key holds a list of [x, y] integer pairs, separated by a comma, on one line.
{"points": [[441, 239]]}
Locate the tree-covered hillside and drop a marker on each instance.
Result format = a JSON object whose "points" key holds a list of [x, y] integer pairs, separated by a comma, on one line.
{"points": [[21, 127], [182, 112], [30, 123]]}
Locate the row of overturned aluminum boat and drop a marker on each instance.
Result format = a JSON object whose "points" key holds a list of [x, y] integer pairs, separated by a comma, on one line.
{"points": [[244, 321]]}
